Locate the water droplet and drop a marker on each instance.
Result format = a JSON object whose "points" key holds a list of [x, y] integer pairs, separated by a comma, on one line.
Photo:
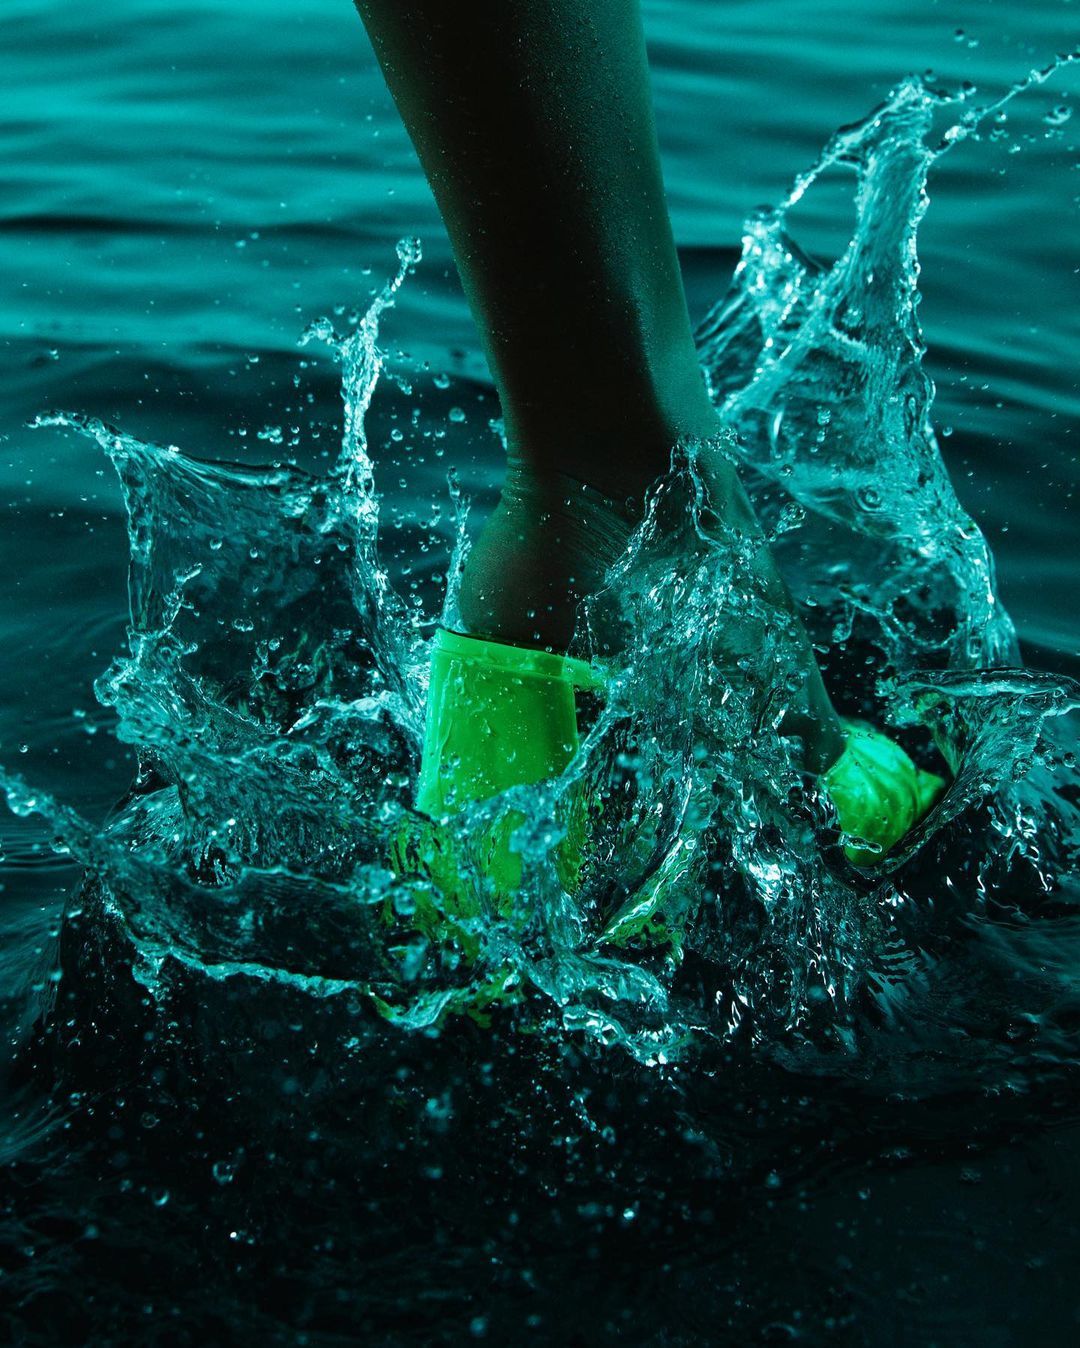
{"points": [[224, 1172], [409, 251]]}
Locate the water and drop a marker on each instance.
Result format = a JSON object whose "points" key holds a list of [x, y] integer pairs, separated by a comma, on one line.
{"points": [[261, 1103]]}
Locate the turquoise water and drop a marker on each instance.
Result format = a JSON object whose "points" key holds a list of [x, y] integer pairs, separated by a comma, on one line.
{"points": [[254, 1108]]}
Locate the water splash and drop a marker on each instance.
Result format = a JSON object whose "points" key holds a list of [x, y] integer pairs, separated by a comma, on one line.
{"points": [[274, 687]]}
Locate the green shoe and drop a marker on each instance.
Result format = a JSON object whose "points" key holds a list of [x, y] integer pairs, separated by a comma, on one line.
{"points": [[501, 716], [878, 793], [498, 716]]}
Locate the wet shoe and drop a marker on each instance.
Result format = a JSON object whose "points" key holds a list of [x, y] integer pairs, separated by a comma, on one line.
{"points": [[501, 716], [498, 716], [878, 793]]}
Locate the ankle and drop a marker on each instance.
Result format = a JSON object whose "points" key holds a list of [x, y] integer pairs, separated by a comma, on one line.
{"points": [[545, 547]]}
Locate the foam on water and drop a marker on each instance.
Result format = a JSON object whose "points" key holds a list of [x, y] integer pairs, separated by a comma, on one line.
{"points": [[274, 686]]}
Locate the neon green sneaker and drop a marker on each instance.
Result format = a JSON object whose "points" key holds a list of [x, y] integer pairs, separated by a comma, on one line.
{"points": [[501, 716], [498, 716], [878, 793]]}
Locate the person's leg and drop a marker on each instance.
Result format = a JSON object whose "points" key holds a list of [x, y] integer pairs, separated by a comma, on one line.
{"points": [[534, 123]]}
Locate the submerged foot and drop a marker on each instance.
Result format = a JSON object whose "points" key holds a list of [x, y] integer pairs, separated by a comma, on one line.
{"points": [[550, 542], [502, 705]]}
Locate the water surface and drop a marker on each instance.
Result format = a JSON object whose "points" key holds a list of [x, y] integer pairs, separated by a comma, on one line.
{"points": [[850, 1095]]}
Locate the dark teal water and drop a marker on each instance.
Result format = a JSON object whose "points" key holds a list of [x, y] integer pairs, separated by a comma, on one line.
{"points": [[851, 1115]]}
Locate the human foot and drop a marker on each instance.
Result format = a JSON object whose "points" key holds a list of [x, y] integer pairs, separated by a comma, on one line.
{"points": [[550, 542]]}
